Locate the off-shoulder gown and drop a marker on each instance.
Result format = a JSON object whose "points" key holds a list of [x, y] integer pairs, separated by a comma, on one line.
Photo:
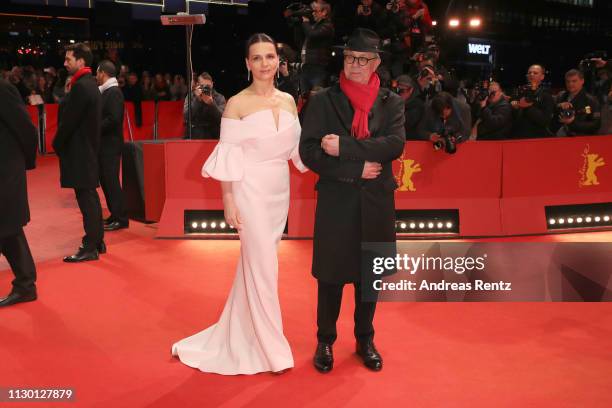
{"points": [[248, 338]]}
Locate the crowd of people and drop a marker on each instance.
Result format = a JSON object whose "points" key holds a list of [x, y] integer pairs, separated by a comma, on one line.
{"points": [[438, 105]]}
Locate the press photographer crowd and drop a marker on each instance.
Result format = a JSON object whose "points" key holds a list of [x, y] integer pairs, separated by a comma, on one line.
{"points": [[439, 106]]}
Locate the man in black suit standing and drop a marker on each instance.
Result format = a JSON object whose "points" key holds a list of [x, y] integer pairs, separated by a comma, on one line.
{"points": [[111, 144], [352, 133], [77, 144], [18, 142]]}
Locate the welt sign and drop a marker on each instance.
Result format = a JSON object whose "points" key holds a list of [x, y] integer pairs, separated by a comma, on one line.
{"points": [[481, 49]]}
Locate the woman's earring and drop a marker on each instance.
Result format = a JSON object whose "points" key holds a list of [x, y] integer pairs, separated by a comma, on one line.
{"points": [[248, 75]]}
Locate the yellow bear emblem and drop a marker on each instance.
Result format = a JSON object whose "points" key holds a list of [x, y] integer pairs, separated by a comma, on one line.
{"points": [[592, 161], [407, 170]]}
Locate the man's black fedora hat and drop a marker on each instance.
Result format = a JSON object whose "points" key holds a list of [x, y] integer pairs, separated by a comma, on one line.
{"points": [[363, 40]]}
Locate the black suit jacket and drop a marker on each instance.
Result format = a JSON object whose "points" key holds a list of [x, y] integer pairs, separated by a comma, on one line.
{"points": [[77, 142], [112, 122], [18, 143], [351, 210]]}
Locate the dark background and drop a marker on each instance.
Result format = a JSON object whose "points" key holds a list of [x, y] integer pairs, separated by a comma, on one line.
{"points": [[521, 32]]}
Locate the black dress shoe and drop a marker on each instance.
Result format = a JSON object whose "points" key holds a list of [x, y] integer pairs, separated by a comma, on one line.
{"points": [[83, 255], [324, 358], [116, 225], [16, 297], [108, 220], [369, 355], [101, 247]]}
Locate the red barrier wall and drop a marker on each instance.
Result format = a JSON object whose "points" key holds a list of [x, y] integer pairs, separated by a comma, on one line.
{"points": [[499, 188], [539, 173]]}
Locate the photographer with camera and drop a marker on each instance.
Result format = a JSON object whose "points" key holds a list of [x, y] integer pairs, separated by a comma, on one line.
{"points": [[414, 107], [317, 32], [427, 82], [578, 112], [442, 123], [533, 107], [207, 106], [493, 113], [369, 15]]}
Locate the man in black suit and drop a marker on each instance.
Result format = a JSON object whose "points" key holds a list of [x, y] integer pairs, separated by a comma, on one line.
{"points": [[18, 142], [77, 144], [111, 144], [352, 133]]}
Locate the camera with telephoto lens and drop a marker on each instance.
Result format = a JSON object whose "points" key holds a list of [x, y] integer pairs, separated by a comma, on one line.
{"points": [[571, 112], [587, 64], [448, 141], [295, 11], [482, 92], [205, 89], [525, 91]]}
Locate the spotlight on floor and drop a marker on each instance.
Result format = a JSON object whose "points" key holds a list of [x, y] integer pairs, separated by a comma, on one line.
{"points": [[579, 216]]}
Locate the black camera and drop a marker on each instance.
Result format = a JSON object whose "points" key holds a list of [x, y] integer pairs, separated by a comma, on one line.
{"points": [[448, 141], [295, 11], [366, 9], [587, 64], [525, 91], [482, 92], [205, 89], [567, 113]]}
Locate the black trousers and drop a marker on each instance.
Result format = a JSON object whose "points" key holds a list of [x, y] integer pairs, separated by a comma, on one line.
{"points": [[109, 180], [328, 310], [17, 252], [89, 204]]}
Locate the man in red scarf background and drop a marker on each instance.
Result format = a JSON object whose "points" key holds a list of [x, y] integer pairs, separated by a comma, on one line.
{"points": [[352, 132], [77, 143]]}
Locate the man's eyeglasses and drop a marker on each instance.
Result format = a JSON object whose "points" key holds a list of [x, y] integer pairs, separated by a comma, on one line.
{"points": [[361, 61]]}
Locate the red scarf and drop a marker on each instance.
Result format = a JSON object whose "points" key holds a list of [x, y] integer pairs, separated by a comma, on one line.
{"points": [[79, 73], [362, 99]]}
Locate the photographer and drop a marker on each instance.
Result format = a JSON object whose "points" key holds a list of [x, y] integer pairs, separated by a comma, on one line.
{"points": [[493, 113], [442, 119], [316, 51], [369, 15], [414, 107], [410, 18], [207, 106], [428, 84], [533, 107], [577, 112]]}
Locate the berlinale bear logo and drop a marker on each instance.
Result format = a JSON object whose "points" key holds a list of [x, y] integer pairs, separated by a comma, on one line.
{"points": [[404, 177], [592, 161]]}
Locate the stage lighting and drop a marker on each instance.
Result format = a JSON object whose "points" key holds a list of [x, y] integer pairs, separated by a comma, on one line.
{"points": [[449, 225], [440, 225], [421, 225], [579, 220], [222, 225], [570, 220], [403, 225], [453, 23], [606, 218], [561, 221], [434, 23], [204, 225], [412, 225], [588, 219], [579, 216], [475, 22], [597, 219], [552, 221], [194, 225]]}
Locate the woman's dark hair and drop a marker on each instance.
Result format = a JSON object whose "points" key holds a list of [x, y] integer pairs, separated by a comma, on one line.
{"points": [[441, 101], [258, 38]]}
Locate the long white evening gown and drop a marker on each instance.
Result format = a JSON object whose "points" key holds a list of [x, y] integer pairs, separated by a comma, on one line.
{"points": [[248, 338]]}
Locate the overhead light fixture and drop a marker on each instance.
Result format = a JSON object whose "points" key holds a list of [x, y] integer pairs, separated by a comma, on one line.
{"points": [[475, 22], [454, 22]]}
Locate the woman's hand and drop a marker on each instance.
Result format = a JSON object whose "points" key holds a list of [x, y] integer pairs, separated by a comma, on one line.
{"points": [[232, 215]]}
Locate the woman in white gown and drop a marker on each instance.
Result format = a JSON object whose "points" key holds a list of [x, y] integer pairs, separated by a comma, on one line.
{"points": [[260, 132]]}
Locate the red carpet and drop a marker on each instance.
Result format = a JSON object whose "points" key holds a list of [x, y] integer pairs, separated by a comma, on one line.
{"points": [[105, 329]]}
